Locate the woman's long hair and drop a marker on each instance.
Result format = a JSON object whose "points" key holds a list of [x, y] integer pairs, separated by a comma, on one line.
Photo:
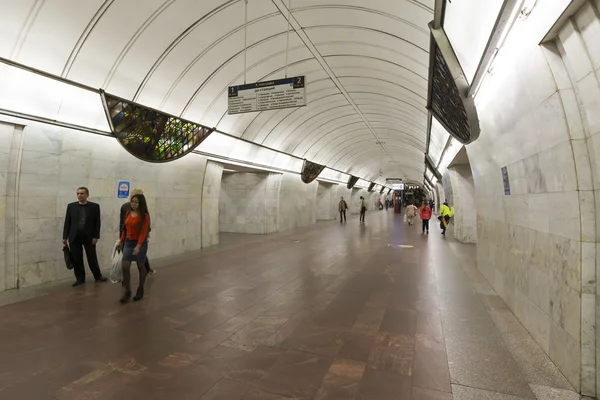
{"points": [[142, 209]]}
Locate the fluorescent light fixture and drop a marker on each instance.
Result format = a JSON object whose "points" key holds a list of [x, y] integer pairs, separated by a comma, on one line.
{"points": [[333, 176], [439, 138], [243, 164], [527, 7], [246, 152], [507, 27], [28, 93], [469, 40], [363, 184]]}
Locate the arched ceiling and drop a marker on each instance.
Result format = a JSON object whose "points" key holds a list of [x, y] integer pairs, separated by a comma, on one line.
{"points": [[365, 62]]}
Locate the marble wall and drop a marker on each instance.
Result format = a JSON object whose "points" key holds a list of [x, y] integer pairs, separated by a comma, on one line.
{"points": [[540, 117], [460, 192], [11, 137], [249, 202], [43, 168], [211, 189], [297, 202], [326, 200]]}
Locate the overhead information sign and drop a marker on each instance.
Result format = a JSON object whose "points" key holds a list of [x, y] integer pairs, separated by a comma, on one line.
{"points": [[269, 95]]}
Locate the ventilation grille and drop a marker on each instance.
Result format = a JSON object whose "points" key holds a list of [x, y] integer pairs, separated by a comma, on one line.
{"points": [[446, 101]]}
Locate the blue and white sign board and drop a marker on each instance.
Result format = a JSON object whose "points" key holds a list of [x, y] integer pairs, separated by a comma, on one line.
{"points": [[123, 189], [270, 95], [506, 181]]}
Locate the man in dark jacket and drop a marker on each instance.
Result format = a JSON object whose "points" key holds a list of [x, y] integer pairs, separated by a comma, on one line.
{"points": [[125, 208], [82, 231]]}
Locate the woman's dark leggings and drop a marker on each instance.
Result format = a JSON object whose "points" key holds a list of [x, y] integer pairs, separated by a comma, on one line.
{"points": [[148, 269], [425, 225]]}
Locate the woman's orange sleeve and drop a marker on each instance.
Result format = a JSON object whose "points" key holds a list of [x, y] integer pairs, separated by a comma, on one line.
{"points": [[143, 235]]}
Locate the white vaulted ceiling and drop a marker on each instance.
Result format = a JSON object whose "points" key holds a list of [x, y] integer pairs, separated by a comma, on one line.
{"points": [[366, 67]]}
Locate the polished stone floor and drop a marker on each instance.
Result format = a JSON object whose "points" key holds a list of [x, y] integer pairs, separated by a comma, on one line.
{"points": [[370, 311]]}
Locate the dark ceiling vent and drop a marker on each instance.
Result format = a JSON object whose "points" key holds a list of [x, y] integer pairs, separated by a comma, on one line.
{"points": [[371, 186], [448, 100], [352, 181], [310, 171]]}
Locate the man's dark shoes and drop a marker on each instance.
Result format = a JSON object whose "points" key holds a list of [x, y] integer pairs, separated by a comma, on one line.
{"points": [[101, 279], [77, 283]]}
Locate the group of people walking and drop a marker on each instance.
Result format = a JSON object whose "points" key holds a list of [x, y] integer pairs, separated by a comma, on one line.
{"points": [[425, 213], [82, 231]]}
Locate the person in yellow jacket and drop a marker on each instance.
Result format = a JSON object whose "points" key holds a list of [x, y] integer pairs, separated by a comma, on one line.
{"points": [[446, 214]]}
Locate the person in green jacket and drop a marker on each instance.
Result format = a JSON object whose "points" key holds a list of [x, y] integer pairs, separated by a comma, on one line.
{"points": [[446, 214]]}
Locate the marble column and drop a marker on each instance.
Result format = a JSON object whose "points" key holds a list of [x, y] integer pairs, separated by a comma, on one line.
{"points": [[211, 189]]}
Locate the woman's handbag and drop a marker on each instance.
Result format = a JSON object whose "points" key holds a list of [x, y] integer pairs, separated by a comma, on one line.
{"points": [[116, 271]]}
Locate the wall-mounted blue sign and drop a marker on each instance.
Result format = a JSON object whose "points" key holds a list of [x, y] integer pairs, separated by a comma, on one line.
{"points": [[123, 189], [506, 181]]}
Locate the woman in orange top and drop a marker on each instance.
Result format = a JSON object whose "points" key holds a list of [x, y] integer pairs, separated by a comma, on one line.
{"points": [[134, 242]]}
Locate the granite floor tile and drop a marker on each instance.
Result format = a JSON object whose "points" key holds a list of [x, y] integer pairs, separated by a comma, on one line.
{"points": [[323, 312], [549, 393], [428, 394], [357, 346], [429, 324], [460, 392], [369, 320], [251, 367], [534, 363], [227, 389], [316, 340], [255, 333], [384, 385], [430, 368], [472, 327], [399, 321], [486, 366], [295, 375], [393, 353], [342, 380]]}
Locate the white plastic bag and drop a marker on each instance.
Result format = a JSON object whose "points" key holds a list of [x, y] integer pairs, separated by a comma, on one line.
{"points": [[116, 272], [405, 218]]}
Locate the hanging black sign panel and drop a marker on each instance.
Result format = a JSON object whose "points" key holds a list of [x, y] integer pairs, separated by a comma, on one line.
{"points": [[269, 95]]}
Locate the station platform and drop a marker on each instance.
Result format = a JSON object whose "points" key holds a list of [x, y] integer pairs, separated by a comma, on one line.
{"points": [[371, 311]]}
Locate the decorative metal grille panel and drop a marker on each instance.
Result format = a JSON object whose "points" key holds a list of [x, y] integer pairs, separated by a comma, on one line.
{"points": [[371, 186], [151, 135], [310, 171], [352, 181], [446, 101]]}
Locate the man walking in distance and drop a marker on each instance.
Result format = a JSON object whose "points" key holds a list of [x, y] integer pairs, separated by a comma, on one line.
{"points": [[363, 209], [125, 208], [411, 212], [342, 207], [82, 231]]}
